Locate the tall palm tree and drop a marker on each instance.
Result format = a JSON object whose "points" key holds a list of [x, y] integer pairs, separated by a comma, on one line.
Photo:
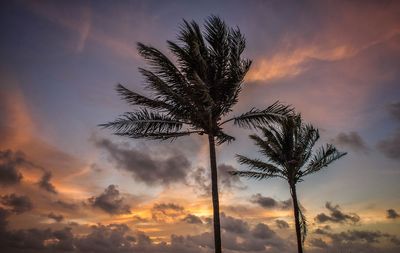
{"points": [[288, 145], [193, 95]]}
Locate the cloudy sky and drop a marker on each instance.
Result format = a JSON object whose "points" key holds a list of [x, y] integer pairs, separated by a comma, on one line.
{"points": [[68, 186]]}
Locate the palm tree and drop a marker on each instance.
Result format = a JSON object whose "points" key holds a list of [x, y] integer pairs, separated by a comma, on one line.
{"points": [[193, 95], [288, 145]]}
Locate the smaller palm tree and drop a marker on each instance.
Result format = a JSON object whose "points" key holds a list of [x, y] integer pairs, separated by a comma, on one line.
{"points": [[288, 145]]}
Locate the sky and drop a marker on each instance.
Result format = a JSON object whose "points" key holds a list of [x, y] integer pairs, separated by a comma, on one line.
{"points": [[69, 186]]}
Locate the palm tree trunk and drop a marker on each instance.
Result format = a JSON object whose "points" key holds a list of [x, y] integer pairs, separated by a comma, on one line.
{"points": [[296, 218], [214, 190]]}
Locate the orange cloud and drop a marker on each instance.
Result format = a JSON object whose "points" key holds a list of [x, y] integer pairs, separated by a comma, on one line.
{"points": [[17, 126], [289, 63], [18, 132], [355, 29]]}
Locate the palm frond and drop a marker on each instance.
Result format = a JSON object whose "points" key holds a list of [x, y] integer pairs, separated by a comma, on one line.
{"points": [[216, 34], [303, 224], [270, 149], [238, 66], [144, 122], [182, 54], [230, 97], [255, 117], [256, 164], [307, 139], [181, 104], [223, 137], [163, 136], [134, 98], [237, 44], [322, 158], [273, 134], [162, 66], [253, 174], [236, 71], [193, 60], [165, 70], [201, 90], [193, 55]]}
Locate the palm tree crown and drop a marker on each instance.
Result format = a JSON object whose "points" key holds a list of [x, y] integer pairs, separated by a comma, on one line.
{"points": [[288, 145], [193, 94]]}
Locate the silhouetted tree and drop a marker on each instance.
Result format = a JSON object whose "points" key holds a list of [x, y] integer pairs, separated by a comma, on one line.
{"points": [[194, 94], [288, 145]]}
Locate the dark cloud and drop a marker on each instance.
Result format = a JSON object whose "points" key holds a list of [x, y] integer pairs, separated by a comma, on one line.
{"points": [[66, 205], [115, 238], [138, 219], [164, 212], [102, 239], [9, 161], [110, 201], [395, 240], [390, 147], [45, 184], [192, 219], [201, 180], [320, 231], [64, 240], [147, 168], [352, 140], [34, 240], [287, 204], [55, 217], [322, 217], [237, 209], [168, 206], [110, 238], [392, 214], [355, 241], [119, 238], [359, 235], [394, 110], [265, 202], [4, 214], [318, 243], [262, 231], [336, 215], [239, 236], [226, 180], [281, 224], [26, 240], [270, 203], [233, 225], [18, 204]]}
